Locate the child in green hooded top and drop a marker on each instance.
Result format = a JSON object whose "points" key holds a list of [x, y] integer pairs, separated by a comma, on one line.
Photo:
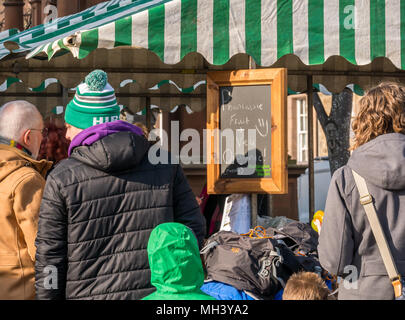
{"points": [[176, 267]]}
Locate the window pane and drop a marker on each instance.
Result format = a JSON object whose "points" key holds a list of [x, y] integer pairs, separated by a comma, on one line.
{"points": [[302, 124], [303, 141], [304, 156]]}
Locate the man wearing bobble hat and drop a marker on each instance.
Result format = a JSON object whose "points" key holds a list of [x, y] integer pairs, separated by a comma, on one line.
{"points": [[100, 205]]}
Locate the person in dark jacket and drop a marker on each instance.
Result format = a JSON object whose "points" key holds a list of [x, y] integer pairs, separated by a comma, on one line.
{"points": [[347, 246], [101, 203]]}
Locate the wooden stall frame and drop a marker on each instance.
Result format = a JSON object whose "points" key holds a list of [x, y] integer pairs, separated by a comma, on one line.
{"points": [[278, 183]]}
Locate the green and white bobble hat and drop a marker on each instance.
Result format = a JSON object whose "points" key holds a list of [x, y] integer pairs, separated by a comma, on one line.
{"points": [[94, 102]]}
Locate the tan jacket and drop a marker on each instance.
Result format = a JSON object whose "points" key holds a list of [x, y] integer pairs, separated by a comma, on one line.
{"points": [[21, 186]]}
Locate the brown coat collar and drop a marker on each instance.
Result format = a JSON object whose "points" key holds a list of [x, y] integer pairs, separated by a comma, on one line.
{"points": [[8, 153]]}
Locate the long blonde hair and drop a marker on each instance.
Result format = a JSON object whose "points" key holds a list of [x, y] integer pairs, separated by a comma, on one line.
{"points": [[382, 110]]}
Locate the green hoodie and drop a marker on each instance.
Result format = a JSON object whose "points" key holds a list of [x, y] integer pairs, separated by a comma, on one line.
{"points": [[175, 264]]}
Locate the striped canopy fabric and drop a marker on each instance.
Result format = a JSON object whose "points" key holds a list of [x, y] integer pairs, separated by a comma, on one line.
{"points": [[313, 30], [8, 33], [92, 17]]}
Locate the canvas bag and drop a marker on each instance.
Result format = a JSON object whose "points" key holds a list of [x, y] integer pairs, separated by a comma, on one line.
{"points": [[256, 264], [367, 201]]}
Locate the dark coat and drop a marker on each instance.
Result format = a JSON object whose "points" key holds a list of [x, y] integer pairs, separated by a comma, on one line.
{"points": [[347, 246], [98, 210]]}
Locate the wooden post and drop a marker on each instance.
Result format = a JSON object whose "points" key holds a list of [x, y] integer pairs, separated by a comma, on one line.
{"points": [[270, 201], [311, 202], [253, 198], [148, 115], [65, 95]]}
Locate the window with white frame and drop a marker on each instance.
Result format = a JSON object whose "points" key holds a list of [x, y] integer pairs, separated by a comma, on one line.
{"points": [[302, 130]]}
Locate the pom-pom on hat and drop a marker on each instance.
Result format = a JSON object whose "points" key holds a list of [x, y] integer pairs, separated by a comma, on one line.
{"points": [[94, 102]]}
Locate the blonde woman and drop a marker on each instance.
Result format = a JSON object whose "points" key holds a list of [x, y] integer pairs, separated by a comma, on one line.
{"points": [[347, 247]]}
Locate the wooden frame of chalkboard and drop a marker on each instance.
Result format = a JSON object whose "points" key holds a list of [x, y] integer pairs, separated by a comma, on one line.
{"points": [[274, 80]]}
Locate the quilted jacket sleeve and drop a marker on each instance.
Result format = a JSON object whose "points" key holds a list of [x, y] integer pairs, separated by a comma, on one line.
{"points": [[51, 243], [185, 206]]}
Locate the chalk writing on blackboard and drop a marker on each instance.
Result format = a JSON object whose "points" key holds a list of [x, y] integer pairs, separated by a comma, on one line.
{"points": [[245, 123]]}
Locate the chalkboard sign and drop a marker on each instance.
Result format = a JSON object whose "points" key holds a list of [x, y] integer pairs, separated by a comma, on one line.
{"points": [[246, 109]]}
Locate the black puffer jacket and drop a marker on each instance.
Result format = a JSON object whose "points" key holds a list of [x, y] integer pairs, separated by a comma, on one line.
{"points": [[98, 209]]}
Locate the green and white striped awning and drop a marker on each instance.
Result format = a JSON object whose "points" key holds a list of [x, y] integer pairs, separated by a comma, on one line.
{"points": [[8, 33], [59, 28], [313, 30]]}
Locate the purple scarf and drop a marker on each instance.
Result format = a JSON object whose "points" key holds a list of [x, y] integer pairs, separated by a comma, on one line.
{"points": [[90, 135]]}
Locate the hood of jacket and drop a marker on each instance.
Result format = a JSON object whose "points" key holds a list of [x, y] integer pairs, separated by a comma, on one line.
{"points": [[175, 262], [110, 147], [12, 159], [381, 161]]}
